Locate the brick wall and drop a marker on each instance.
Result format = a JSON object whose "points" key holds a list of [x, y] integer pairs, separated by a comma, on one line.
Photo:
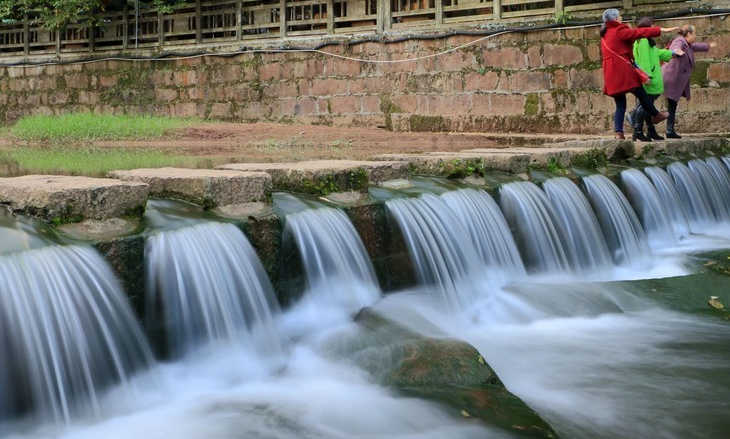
{"points": [[541, 81]]}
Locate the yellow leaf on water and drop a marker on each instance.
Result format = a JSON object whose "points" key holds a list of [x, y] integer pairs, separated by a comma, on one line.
{"points": [[715, 303], [465, 414]]}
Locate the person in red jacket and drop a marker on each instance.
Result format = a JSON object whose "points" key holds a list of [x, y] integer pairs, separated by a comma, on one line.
{"points": [[619, 76]]}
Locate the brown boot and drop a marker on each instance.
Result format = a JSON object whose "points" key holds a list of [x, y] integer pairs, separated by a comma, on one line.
{"points": [[619, 135], [663, 115]]}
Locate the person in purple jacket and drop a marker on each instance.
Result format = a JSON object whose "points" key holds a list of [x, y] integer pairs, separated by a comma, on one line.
{"points": [[677, 71]]}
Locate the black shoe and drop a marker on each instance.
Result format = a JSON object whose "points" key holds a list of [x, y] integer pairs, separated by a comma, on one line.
{"points": [[638, 135], [673, 135], [654, 136]]}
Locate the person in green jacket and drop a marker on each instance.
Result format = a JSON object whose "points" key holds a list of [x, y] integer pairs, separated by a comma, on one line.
{"points": [[648, 57]]}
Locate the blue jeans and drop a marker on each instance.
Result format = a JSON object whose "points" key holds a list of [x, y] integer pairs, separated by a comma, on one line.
{"points": [[620, 99]]}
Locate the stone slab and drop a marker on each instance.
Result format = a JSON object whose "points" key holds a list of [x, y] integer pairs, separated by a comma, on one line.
{"points": [[61, 199], [321, 177], [449, 164], [209, 188]]}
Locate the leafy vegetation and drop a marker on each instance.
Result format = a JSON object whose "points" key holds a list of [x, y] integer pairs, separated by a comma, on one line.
{"points": [[55, 14]]}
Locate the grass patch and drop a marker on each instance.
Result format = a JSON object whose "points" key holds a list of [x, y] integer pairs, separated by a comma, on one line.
{"points": [[92, 162], [89, 127]]}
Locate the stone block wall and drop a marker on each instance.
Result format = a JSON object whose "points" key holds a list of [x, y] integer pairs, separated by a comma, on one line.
{"points": [[538, 81]]}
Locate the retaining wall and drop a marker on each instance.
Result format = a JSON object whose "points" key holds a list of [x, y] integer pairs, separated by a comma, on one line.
{"points": [[537, 81]]}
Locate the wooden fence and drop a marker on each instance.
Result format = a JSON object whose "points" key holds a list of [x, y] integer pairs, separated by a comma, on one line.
{"points": [[224, 22]]}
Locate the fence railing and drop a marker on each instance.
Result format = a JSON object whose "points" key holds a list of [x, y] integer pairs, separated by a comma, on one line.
{"points": [[233, 21]]}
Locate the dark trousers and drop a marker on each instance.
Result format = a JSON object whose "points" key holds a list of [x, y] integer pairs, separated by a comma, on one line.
{"points": [[641, 116], [620, 99], [672, 108]]}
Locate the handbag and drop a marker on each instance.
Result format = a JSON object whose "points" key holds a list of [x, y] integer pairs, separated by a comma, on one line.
{"points": [[643, 77]]}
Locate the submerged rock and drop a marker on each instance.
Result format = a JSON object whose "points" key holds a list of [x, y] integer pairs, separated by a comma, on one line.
{"points": [[447, 371]]}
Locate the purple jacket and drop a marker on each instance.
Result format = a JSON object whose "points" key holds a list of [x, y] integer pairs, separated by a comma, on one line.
{"points": [[677, 71]]}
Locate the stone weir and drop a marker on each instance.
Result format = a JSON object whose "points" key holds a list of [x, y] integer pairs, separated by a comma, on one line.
{"points": [[107, 211]]}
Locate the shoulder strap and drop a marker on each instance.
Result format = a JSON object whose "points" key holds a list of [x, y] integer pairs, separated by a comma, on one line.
{"points": [[603, 42]]}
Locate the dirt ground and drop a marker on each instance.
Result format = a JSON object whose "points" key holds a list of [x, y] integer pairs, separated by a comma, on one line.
{"points": [[266, 142]]}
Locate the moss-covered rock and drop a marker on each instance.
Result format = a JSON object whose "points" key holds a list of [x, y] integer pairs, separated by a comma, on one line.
{"points": [[447, 371]]}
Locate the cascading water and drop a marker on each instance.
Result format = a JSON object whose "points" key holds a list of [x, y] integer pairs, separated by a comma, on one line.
{"points": [[633, 358], [480, 216], [442, 251], [695, 201], [670, 199], [340, 276], [648, 205], [721, 176], [624, 235], [206, 284], [67, 333], [537, 228], [584, 232], [710, 186]]}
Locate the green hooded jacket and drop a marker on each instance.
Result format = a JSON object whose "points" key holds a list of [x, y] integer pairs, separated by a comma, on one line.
{"points": [[648, 58]]}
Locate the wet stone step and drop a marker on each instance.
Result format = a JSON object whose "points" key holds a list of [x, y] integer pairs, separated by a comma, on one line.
{"points": [[322, 177], [62, 199], [449, 164], [209, 188]]}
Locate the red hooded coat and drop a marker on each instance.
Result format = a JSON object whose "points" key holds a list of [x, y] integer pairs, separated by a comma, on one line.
{"points": [[618, 75]]}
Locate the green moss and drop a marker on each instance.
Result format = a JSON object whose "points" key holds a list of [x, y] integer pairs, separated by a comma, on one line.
{"points": [[428, 123], [593, 158], [132, 88], [699, 74], [461, 168], [532, 104]]}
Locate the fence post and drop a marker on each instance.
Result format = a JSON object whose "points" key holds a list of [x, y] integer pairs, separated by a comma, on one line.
{"points": [[558, 7], [26, 35], [198, 22], [125, 29], [58, 40], [160, 29], [92, 34], [282, 18], [496, 10], [385, 16], [440, 12], [330, 17], [239, 17], [628, 4]]}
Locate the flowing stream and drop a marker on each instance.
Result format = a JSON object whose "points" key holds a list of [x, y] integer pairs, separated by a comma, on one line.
{"points": [[589, 299]]}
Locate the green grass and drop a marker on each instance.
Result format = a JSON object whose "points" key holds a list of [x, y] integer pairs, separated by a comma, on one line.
{"points": [[93, 162], [89, 127]]}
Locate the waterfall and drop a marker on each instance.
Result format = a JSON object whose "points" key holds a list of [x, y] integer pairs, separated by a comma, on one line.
{"points": [[712, 189], [694, 200], [649, 207], [480, 215], [670, 199], [584, 233], [338, 268], [66, 332], [721, 176], [538, 229], [624, 235], [205, 283], [441, 249]]}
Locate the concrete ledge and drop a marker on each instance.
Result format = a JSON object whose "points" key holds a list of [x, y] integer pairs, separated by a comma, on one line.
{"points": [[63, 199], [209, 188], [322, 177]]}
